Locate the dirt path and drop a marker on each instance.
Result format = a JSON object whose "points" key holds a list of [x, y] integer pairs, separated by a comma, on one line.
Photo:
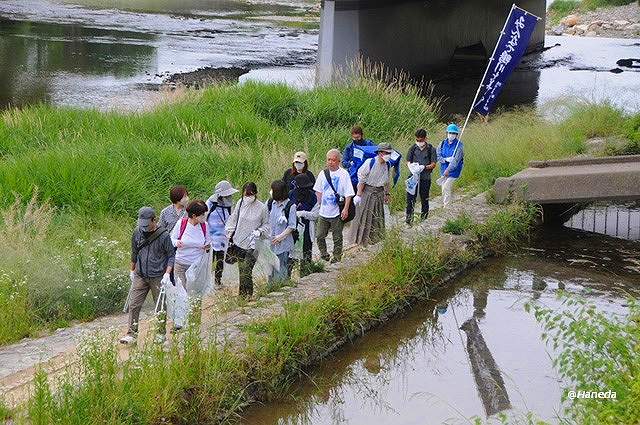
{"points": [[222, 317]]}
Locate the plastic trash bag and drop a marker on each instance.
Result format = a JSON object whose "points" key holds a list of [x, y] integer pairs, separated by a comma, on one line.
{"points": [[387, 216], [266, 257], [411, 184], [125, 309], [199, 276], [177, 303], [296, 253], [441, 180]]}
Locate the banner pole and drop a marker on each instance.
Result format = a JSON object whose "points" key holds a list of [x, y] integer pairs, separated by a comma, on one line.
{"points": [[486, 71]]}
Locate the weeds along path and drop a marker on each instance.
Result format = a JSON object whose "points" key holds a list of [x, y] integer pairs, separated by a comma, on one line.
{"points": [[223, 317]]}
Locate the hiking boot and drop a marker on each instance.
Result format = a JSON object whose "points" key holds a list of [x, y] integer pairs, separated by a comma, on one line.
{"points": [[128, 339], [159, 339], [325, 257]]}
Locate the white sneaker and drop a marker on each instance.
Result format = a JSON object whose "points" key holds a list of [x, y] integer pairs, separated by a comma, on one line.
{"points": [[128, 339], [159, 339]]}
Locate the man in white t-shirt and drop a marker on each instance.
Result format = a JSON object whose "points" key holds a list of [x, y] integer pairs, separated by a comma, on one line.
{"points": [[331, 217]]}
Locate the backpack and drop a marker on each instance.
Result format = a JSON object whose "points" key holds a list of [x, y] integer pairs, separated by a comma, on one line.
{"points": [[287, 210], [183, 227]]}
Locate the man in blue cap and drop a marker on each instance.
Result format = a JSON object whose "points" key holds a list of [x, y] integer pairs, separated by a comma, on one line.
{"points": [[451, 159]]}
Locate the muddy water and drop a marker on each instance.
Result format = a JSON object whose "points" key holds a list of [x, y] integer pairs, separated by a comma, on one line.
{"points": [[101, 53], [421, 368]]}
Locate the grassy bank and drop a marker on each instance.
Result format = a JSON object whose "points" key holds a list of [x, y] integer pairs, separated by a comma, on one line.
{"points": [[561, 8], [201, 383], [73, 179]]}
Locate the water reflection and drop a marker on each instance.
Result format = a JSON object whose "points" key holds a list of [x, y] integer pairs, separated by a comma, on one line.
{"points": [[422, 368], [618, 221]]}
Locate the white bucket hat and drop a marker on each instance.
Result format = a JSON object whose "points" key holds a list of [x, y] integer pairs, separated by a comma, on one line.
{"points": [[224, 188]]}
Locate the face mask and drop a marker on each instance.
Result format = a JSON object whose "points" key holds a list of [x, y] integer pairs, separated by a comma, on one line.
{"points": [[386, 157], [271, 194], [201, 219], [299, 166], [226, 201], [452, 136], [421, 144]]}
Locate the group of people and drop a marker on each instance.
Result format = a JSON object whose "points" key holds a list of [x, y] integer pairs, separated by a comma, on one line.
{"points": [[302, 208]]}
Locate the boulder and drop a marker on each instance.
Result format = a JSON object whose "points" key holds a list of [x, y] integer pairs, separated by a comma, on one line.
{"points": [[571, 31], [620, 24], [591, 34], [595, 25], [581, 29], [559, 29], [570, 20]]}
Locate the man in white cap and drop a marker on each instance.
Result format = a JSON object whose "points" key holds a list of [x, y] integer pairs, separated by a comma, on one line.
{"points": [[219, 205], [152, 258], [374, 186]]}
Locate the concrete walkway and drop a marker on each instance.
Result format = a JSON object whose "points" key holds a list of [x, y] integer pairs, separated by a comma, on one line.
{"points": [[222, 318]]}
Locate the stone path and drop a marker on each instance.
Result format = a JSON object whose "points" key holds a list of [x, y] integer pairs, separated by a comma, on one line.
{"points": [[222, 317]]}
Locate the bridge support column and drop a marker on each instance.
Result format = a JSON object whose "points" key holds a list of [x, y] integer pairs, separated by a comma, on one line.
{"points": [[419, 37]]}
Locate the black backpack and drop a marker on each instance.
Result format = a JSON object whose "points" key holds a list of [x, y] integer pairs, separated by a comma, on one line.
{"points": [[287, 210]]}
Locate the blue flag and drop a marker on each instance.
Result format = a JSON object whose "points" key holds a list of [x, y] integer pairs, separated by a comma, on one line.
{"points": [[512, 44]]}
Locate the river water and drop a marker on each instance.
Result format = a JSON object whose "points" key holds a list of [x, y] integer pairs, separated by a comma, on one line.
{"points": [[421, 368], [115, 53]]}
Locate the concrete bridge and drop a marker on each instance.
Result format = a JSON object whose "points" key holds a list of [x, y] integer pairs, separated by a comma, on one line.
{"points": [[419, 37], [560, 184]]}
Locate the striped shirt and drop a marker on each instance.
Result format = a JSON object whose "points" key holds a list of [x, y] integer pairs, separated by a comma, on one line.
{"points": [[169, 216]]}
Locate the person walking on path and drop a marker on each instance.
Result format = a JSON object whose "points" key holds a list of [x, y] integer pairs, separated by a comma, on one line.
{"points": [[152, 259], [170, 215], [333, 188], [299, 167], [451, 159], [374, 187], [306, 201], [191, 239], [422, 157], [248, 222], [219, 204], [283, 221], [352, 156]]}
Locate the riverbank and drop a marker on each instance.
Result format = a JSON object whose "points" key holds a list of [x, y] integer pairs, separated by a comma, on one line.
{"points": [[270, 341], [576, 18], [78, 177]]}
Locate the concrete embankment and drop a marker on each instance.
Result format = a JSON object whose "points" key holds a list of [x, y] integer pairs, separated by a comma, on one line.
{"points": [[224, 321]]}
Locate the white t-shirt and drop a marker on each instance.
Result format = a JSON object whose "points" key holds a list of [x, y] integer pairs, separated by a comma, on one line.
{"points": [[193, 238], [342, 183]]}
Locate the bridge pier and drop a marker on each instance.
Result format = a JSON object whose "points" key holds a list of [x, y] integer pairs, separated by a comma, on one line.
{"points": [[419, 37]]}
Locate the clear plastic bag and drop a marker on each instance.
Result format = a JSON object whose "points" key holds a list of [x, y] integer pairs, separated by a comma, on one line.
{"points": [[411, 184], [266, 257], [177, 303], [199, 276], [296, 253]]}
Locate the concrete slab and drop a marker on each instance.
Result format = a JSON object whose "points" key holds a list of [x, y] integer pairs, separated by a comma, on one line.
{"points": [[574, 181]]}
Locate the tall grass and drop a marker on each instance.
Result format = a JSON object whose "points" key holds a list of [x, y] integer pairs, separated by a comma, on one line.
{"points": [[195, 382]]}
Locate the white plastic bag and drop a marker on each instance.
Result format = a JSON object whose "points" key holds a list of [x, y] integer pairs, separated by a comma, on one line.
{"points": [[412, 184], [441, 180], [177, 303], [199, 276], [266, 257], [296, 253]]}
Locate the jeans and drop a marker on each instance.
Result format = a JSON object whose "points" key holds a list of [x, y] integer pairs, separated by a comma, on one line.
{"points": [[322, 230], [283, 272], [423, 191], [245, 268]]}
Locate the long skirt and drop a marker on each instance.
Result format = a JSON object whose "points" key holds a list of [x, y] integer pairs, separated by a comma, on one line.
{"points": [[368, 225]]}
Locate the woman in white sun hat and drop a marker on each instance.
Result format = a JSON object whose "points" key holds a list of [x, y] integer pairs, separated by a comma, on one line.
{"points": [[219, 204]]}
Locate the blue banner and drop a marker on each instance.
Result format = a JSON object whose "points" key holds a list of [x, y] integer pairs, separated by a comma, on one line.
{"points": [[512, 44]]}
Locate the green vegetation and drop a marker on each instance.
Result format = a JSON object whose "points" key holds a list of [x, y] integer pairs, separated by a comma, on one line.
{"points": [[74, 179], [197, 382], [5, 412], [458, 225], [599, 352], [561, 8]]}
